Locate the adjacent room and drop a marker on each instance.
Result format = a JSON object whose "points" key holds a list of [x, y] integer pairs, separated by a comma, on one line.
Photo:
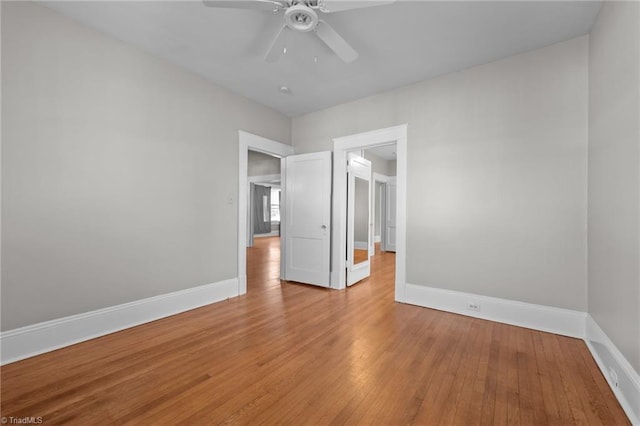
{"points": [[320, 212]]}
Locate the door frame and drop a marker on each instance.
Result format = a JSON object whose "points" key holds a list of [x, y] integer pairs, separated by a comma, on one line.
{"points": [[353, 142], [248, 141]]}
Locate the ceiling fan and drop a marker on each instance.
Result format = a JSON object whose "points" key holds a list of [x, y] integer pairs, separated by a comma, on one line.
{"points": [[302, 16]]}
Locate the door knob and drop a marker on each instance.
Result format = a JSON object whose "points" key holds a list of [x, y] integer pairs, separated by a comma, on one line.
{"points": [[323, 226]]}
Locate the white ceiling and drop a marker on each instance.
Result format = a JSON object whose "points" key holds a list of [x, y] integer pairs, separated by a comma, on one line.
{"points": [[402, 43], [386, 152]]}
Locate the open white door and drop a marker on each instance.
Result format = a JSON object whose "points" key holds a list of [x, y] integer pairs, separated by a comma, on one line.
{"points": [[389, 226], [359, 226], [307, 219]]}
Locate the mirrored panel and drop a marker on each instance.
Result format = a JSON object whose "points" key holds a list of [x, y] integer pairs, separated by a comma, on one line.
{"points": [[361, 221]]}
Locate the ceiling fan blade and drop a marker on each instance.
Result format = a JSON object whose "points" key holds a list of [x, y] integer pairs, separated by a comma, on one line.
{"points": [[328, 6], [277, 46], [335, 42], [268, 5]]}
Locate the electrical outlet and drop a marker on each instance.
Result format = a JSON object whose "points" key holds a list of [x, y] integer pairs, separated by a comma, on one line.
{"points": [[613, 376], [473, 306]]}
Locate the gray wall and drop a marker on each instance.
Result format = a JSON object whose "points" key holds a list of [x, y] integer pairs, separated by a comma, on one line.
{"points": [[378, 164], [393, 165], [260, 164], [614, 173], [116, 167], [497, 173]]}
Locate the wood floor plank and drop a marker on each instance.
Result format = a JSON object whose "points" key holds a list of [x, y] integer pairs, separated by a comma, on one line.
{"points": [[500, 410], [480, 379], [288, 353], [513, 373], [488, 407], [551, 401]]}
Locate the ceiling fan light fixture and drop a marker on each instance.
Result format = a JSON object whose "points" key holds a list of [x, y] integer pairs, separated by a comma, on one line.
{"points": [[301, 18]]}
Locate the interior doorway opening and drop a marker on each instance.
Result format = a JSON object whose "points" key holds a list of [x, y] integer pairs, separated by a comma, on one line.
{"points": [[368, 247], [263, 196], [384, 167], [362, 141], [256, 147], [263, 220]]}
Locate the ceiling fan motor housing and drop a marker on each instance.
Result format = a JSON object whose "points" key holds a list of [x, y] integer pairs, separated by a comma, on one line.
{"points": [[300, 18]]}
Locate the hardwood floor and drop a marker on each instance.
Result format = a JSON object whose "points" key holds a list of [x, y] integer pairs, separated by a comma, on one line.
{"points": [[294, 354]]}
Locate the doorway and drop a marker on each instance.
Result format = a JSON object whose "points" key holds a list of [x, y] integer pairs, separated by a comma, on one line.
{"points": [[263, 224], [263, 196], [383, 197], [370, 218], [250, 142], [364, 141]]}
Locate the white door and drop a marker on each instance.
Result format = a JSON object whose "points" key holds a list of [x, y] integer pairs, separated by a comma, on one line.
{"points": [[307, 218], [359, 224], [389, 227]]}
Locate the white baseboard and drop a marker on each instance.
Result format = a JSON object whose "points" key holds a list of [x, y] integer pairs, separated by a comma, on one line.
{"points": [[360, 245], [36, 339], [538, 317], [377, 239], [608, 357]]}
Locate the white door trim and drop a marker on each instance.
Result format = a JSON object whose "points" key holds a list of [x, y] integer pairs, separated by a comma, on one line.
{"points": [[339, 228], [249, 141]]}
